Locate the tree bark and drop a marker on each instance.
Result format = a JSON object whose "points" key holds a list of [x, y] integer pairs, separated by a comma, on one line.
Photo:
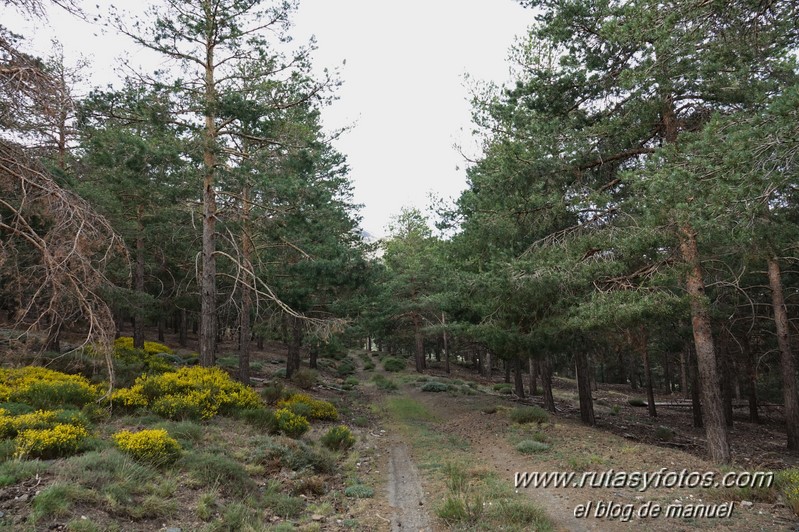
{"points": [[696, 403], [643, 347], [751, 380], [712, 411], [295, 342], [533, 375], [789, 387], [546, 384], [506, 365], [245, 334], [446, 343], [489, 365], [684, 374], [518, 380], [138, 281], [184, 326], [208, 324], [419, 343], [584, 388]]}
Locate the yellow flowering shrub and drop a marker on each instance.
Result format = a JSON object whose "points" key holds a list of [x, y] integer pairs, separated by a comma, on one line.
{"points": [[188, 393], [10, 426], [42, 387], [788, 484], [318, 409], [151, 348], [60, 440], [290, 423], [152, 445]]}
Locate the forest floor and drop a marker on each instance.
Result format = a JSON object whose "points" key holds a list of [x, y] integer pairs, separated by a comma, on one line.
{"points": [[435, 460]]}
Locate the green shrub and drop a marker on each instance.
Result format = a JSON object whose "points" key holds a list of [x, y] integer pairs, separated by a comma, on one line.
{"points": [[359, 491], [338, 438], [529, 414], [214, 470], [531, 447], [664, 433], [291, 424], [435, 387], [498, 387], [787, 482], [345, 368], [453, 511], [351, 382], [16, 409], [384, 384], [394, 364], [305, 378], [368, 366], [155, 446], [361, 421], [14, 471], [260, 418], [282, 504], [273, 392], [506, 391], [280, 373], [188, 433], [614, 410], [636, 401]]}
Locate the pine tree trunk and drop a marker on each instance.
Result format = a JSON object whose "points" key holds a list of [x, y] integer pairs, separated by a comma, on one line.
{"points": [[726, 383], [446, 343], [184, 326], [712, 411], [696, 403], [489, 365], [419, 343], [546, 384], [667, 373], [161, 327], [245, 334], [643, 347], [751, 379], [584, 388], [789, 387], [518, 380], [621, 376], [506, 365], [295, 342], [684, 374], [138, 281], [208, 324], [533, 376]]}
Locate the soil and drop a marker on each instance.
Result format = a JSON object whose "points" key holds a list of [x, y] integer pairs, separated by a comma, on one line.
{"points": [[623, 443]]}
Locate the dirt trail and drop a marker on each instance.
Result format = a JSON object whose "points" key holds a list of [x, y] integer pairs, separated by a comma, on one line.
{"points": [[464, 420], [405, 492]]}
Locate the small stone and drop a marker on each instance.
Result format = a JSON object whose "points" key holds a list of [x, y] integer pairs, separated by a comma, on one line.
{"points": [[23, 497], [173, 529], [747, 504], [317, 517]]}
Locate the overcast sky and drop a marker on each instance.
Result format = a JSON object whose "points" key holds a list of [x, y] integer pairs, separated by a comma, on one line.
{"points": [[403, 90]]}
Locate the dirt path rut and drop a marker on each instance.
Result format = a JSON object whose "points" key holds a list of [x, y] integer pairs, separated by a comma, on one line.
{"points": [[405, 492]]}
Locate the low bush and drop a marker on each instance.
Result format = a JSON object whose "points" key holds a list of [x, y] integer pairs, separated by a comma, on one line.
{"points": [[273, 392], [529, 414], [42, 388], [214, 470], [319, 409], [498, 387], [290, 423], [531, 447], [435, 387], [286, 506], [60, 440], [151, 348], [338, 438], [188, 393], [260, 418], [345, 368], [787, 482], [305, 378], [359, 491], [384, 384], [155, 446], [394, 364], [664, 433]]}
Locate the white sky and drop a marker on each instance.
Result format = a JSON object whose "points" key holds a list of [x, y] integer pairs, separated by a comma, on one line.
{"points": [[403, 89]]}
